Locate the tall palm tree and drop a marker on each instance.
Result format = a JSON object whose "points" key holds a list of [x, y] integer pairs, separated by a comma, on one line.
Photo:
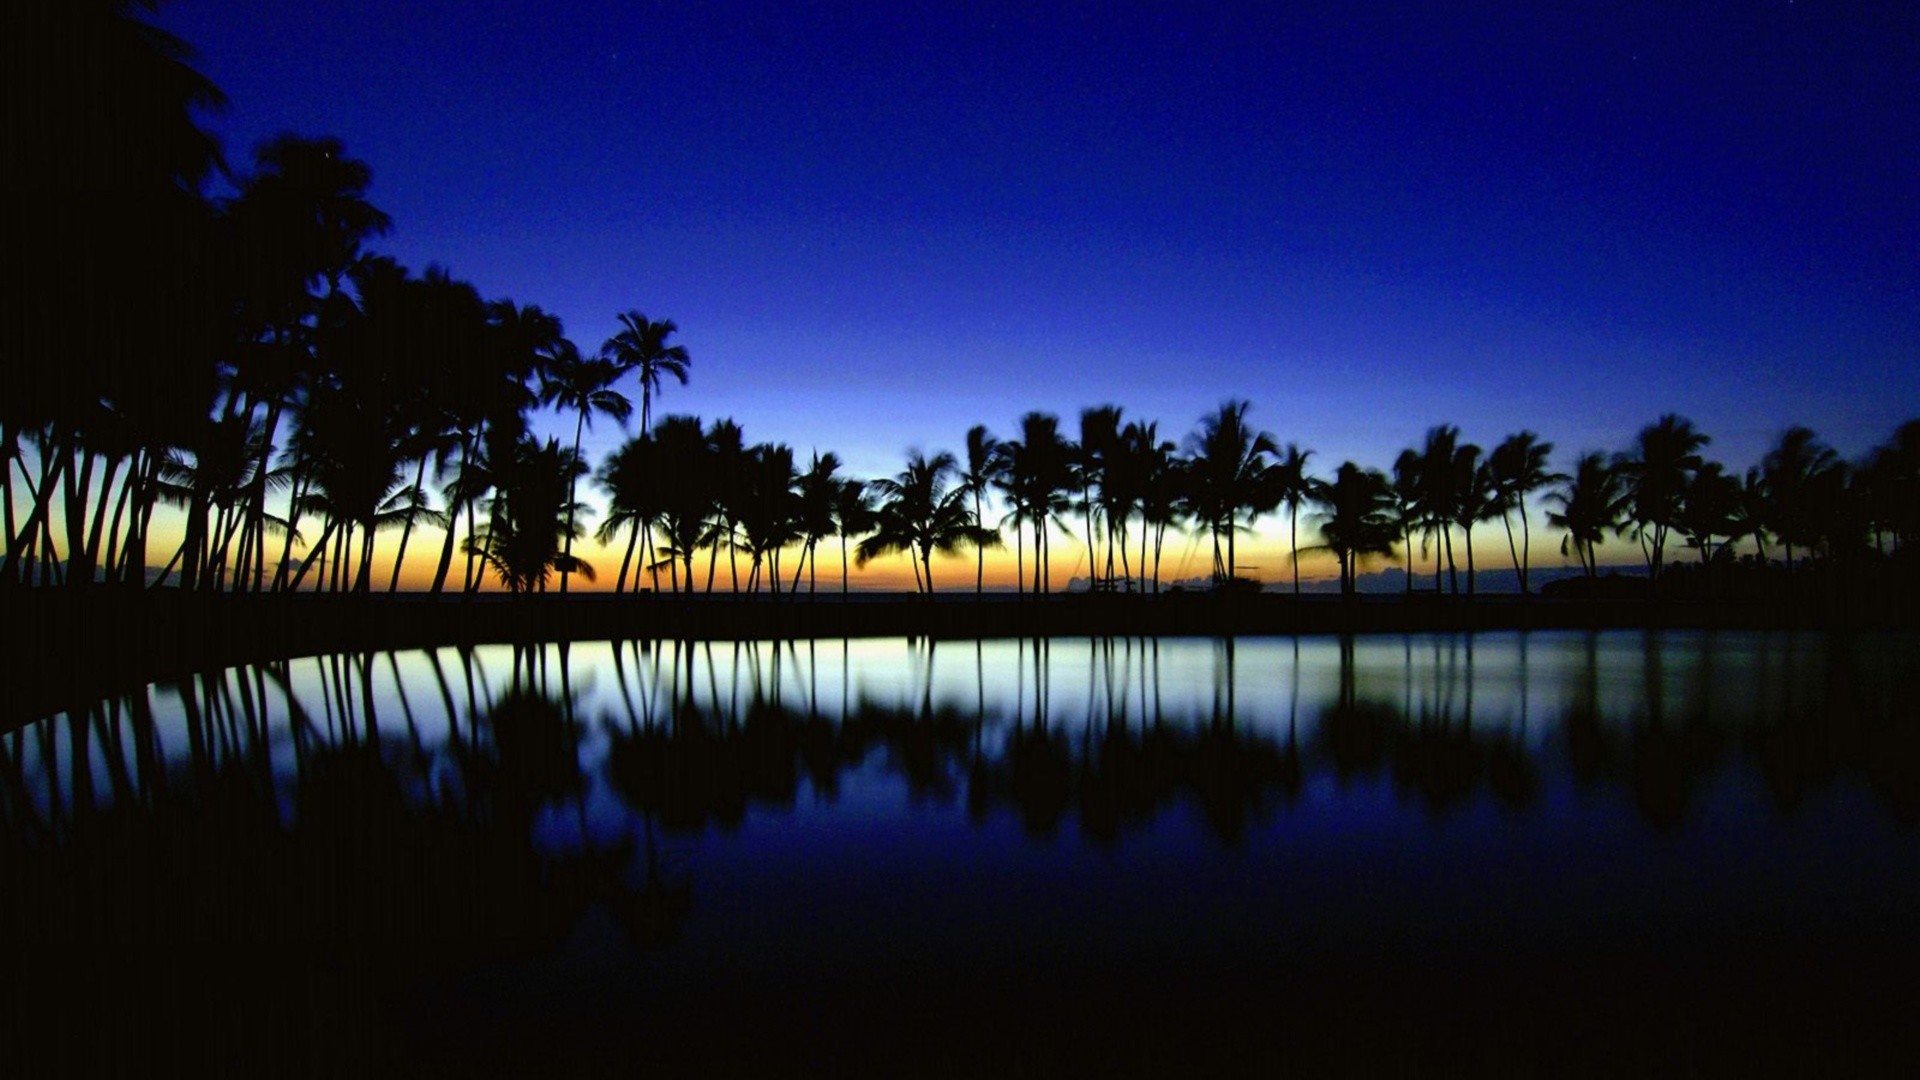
{"points": [[919, 515], [1474, 498], [689, 492], [1439, 496], [853, 515], [1099, 442], [1227, 478], [1035, 483], [1593, 501], [1409, 511], [1656, 473], [1801, 474], [818, 488], [769, 511], [1291, 487], [582, 386], [1519, 466], [641, 346], [630, 478], [1358, 519], [532, 512], [985, 464]]}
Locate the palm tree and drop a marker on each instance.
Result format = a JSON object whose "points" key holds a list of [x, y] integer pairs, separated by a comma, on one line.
{"points": [[1227, 478], [1291, 487], [1035, 482], [1439, 495], [853, 515], [769, 511], [920, 515], [583, 386], [1518, 466], [727, 457], [1800, 473], [1474, 498], [630, 478], [1149, 482], [1656, 474], [818, 488], [1358, 519], [641, 346], [1409, 513], [1592, 502], [688, 491], [532, 511], [1099, 441], [1710, 509], [985, 464]]}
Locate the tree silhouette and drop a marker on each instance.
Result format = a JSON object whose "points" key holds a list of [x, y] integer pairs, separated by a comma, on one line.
{"points": [[1358, 518], [582, 386], [532, 510], [1227, 478], [1592, 502], [1518, 466], [1291, 487], [1805, 480], [919, 515], [641, 347], [985, 464], [1656, 473], [1035, 482]]}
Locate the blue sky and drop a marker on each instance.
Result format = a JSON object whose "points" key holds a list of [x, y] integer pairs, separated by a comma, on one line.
{"points": [[877, 225]]}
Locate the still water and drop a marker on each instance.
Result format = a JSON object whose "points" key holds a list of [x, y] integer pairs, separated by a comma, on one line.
{"points": [[1647, 850]]}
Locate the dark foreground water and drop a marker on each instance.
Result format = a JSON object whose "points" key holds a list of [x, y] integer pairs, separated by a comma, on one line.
{"points": [[1622, 852]]}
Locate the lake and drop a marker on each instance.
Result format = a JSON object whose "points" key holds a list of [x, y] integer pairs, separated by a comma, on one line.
{"points": [[1611, 851]]}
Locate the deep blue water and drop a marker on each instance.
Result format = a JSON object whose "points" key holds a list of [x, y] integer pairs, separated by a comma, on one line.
{"points": [[1506, 851]]}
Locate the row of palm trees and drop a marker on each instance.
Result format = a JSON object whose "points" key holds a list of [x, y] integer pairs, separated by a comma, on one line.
{"points": [[1118, 490]]}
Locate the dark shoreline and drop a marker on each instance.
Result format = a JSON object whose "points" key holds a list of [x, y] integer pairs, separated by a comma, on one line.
{"points": [[66, 649]]}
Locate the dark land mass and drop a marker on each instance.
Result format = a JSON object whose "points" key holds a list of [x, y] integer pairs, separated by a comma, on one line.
{"points": [[65, 649]]}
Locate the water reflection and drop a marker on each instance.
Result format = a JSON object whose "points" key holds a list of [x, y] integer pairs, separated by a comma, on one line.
{"points": [[441, 811]]}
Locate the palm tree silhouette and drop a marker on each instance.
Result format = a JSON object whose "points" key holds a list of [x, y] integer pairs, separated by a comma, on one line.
{"points": [[1592, 502], [919, 515], [985, 464], [1291, 487], [582, 386], [1439, 496], [1228, 477], [1409, 510], [1035, 483], [853, 515], [1154, 477], [1358, 519], [814, 512], [1656, 473], [1518, 466], [1803, 477], [687, 480], [641, 346], [629, 477], [532, 511]]}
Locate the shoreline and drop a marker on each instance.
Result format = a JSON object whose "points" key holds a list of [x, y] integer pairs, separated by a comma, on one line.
{"points": [[65, 650]]}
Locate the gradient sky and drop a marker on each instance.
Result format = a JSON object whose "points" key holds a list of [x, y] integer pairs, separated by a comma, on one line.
{"points": [[878, 224]]}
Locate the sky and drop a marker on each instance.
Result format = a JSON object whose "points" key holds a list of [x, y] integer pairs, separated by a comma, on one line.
{"points": [[877, 225]]}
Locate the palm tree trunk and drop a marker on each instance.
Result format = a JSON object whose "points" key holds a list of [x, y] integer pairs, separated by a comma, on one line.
{"points": [[566, 569], [633, 538], [1526, 544], [1293, 540], [406, 530]]}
